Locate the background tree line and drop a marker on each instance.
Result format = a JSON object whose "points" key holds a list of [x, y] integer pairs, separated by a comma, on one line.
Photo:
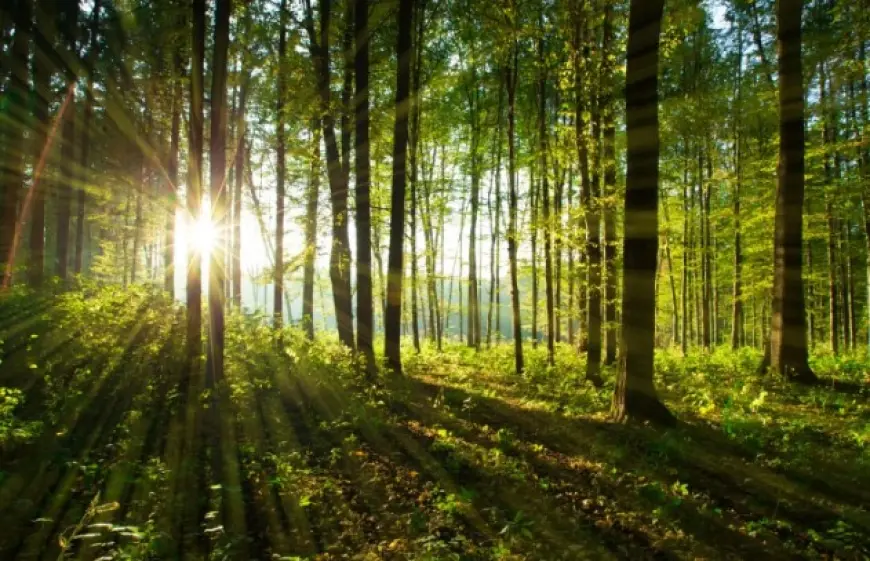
{"points": [[605, 175]]}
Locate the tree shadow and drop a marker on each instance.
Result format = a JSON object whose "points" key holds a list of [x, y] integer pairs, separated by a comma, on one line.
{"points": [[719, 474]]}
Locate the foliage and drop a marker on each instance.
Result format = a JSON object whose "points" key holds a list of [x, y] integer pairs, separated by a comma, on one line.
{"points": [[460, 460]]}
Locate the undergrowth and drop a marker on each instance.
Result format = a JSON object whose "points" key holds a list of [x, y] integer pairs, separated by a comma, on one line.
{"points": [[111, 448]]}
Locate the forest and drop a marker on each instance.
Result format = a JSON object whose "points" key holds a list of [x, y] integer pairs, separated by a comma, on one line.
{"points": [[434, 280]]}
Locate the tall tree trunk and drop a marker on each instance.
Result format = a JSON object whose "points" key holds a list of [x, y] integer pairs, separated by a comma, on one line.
{"points": [[473, 91], [194, 187], [12, 131], [172, 172], [86, 141], [545, 203], [340, 258], [68, 164], [737, 335], [609, 153], [533, 225], [788, 336], [512, 77], [364, 306], [311, 198], [239, 168], [843, 264], [219, 207], [833, 306], [706, 256], [280, 172], [42, 96], [635, 394], [137, 223], [414, 140], [571, 272], [590, 200], [393, 316], [495, 214]]}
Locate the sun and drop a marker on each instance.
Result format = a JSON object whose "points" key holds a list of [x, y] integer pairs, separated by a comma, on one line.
{"points": [[202, 234]]}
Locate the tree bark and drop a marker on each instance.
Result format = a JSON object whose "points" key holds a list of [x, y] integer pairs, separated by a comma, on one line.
{"points": [[280, 172], [365, 306], [545, 203], [84, 157], [788, 336], [68, 165], [635, 395], [194, 187], [609, 153], [414, 135], [340, 258], [42, 96], [512, 78], [172, 173], [311, 231], [392, 321], [219, 206], [590, 201]]}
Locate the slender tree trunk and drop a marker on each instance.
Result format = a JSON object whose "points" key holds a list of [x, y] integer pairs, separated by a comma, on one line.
{"points": [[737, 335], [545, 203], [86, 141], [239, 168], [512, 77], [635, 394], [40, 130], [194, 188], [340, 258], [707, 245], [846, 304], [591, 201], [68, 165], [172, 187], [788, 336], [280, 172], [495, 214], [414, 141], [219, 206], [137, 223], [571, 272], [13, 129], [365, 306], [311, 231], [609, 153], [393, 316], [534, 198]]}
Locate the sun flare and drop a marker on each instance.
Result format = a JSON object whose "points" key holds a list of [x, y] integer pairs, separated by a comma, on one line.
{"points": [[202, 234]]}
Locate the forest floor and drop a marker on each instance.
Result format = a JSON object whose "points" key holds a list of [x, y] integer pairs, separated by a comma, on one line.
{"points": [[108, 450]]}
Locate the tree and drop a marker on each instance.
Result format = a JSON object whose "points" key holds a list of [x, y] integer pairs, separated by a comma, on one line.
{"points": [[280, 172], [545, 199], [365, 305], [42, 96], [219, 206], [194, 184], [511, 78], [12, 162], [68, 174], [591, 203], [339, 263], [393, 313], [635, 395], [311, 230], [86, 139], [788, 335]]}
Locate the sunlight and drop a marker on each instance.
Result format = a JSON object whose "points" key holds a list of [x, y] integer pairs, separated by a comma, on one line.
{"points": [[202, 234]]}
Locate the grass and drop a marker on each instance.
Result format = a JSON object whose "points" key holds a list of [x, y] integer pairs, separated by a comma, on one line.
{"points": [[111, 449]]}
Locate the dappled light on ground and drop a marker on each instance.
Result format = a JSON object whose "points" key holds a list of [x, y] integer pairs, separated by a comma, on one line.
{"points": [[108, 449]]}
